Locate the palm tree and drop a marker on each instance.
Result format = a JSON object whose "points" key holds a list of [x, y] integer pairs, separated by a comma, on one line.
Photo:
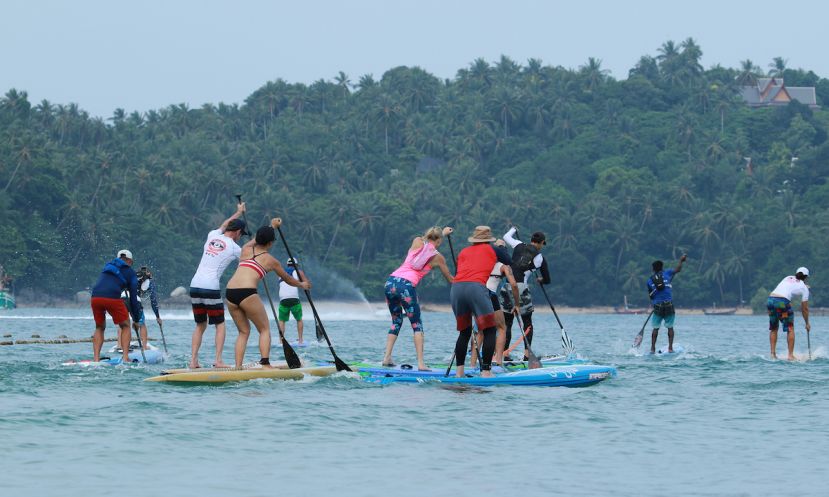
{"points": [[777, 67], [342, 81], [716, 272], [505, 104], [368, 216], [593, 73], [387, 112], [749, 73], [626, 237]]}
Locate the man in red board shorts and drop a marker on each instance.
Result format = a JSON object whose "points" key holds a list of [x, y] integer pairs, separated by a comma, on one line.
{"points": [[470, 297], [116, 276]]}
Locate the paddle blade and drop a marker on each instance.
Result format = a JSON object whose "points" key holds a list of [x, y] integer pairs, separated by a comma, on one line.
{"points": [[341, 366], [451, 362], [532, 360], [567, 343], [290, 355], [320, 336], [638, 340]]}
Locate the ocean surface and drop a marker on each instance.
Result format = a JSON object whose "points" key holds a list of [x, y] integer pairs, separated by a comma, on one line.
{"points": [[721, 419]]}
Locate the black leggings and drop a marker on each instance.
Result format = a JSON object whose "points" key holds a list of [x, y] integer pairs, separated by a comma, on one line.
{"points": [[528, 322], [488, 347], [237, 295]]}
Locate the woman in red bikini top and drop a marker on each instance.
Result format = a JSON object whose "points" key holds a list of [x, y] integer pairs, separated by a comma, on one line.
{"points": [[243, 301]]}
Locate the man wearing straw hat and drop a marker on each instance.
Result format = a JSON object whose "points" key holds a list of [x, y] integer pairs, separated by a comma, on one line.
{"points": [[469, 296]]}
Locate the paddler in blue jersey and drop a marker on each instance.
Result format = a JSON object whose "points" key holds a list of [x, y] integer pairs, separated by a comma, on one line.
{"points": [[659, 291], [116, 276]]}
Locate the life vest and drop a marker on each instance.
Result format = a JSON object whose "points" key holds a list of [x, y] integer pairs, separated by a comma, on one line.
{"points": [[114, 267], [522, 258]]}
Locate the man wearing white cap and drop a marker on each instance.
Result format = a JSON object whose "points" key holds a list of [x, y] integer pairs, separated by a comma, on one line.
{"points": [[116, 276], [779, 306]]}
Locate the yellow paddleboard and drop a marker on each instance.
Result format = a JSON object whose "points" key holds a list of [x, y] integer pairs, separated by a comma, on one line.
{"points": [[223, 375]]}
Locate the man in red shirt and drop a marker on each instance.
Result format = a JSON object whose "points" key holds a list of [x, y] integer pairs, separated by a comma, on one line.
{"points": [[469, 296]]}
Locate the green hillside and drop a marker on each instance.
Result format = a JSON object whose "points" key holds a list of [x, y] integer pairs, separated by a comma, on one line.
{"points": [[616, 172]]}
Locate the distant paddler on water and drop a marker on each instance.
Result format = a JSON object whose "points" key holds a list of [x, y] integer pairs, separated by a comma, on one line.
{"points": [[289, 303], [116, 276], [146, 291], [526, 258], [220, 249], [401, 295], [243, 300], [660, 291], [779, 306]]}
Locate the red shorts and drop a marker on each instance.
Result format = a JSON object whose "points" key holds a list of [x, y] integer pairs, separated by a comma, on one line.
{"points": [[115, 308]]}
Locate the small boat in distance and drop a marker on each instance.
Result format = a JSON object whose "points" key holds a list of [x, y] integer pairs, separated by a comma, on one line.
{"points": [[719, 311], [628, 310]]}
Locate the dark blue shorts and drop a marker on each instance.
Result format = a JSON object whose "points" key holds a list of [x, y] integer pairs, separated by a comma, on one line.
{"points": [[470, 298]]}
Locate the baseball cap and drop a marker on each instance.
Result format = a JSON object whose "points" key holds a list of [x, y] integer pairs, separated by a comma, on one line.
{"points": [[538, 237], [124, 253], [803, 270]]}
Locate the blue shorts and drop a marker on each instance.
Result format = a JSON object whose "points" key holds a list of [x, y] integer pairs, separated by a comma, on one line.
{"points": [[780, 312], [663, 312]]}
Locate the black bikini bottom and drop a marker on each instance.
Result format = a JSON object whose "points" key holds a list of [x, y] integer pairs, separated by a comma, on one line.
{"points": [[237, 295]]}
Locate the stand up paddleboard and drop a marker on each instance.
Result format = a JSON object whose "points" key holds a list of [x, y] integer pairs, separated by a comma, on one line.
{"points": [[153, 355], [251, 372], [576, 375], [678, 349]]}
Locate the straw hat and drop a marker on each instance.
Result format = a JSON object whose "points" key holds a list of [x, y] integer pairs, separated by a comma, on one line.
{"points": [[482, 234]]}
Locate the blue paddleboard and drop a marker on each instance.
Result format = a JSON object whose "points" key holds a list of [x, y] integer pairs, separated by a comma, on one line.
{"points": [[575, 375]]}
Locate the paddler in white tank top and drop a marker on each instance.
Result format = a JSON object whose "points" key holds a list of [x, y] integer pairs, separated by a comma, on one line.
{"points": [[289, 304], [779, 306]]}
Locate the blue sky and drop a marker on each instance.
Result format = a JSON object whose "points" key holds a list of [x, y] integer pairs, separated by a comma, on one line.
{"points": [[148, 54]]}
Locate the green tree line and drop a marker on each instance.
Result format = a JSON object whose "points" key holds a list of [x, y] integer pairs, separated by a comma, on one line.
{"points": [[617, 173]]}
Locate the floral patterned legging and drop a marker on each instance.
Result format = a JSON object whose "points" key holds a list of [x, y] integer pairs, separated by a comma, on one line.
{"points": [[401, 297]]}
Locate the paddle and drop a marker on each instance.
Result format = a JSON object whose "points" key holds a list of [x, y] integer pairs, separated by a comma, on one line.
{"points": [[341, 366], [140, 345], [515, 343], [809, 344], [532, 360], [566, 342], [163, 340], [638, 340], [291, 356], [478, 351]]}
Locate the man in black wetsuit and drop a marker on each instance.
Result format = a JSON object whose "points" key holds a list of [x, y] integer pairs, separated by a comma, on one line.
{"points": [[526, 257]]}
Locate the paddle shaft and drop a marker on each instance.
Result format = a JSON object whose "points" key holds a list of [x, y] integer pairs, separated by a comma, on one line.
{"points": [[638, 340], [809, 344], [532, 360], [341, 366], [290, 355], [138, 336], [163, 340], [140, 345], [568, 344]]}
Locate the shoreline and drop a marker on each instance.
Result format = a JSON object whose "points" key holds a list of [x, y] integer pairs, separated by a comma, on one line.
{"points": [[183, 305]]}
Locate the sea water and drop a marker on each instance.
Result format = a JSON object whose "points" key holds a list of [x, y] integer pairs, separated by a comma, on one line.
{"points": [[719, 419]]}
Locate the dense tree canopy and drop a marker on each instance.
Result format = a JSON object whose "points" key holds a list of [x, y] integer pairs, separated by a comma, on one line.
{"points": [[616, 172]]}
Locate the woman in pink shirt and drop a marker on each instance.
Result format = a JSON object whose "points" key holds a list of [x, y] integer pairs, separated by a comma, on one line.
{"points": [[401, 295]]}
